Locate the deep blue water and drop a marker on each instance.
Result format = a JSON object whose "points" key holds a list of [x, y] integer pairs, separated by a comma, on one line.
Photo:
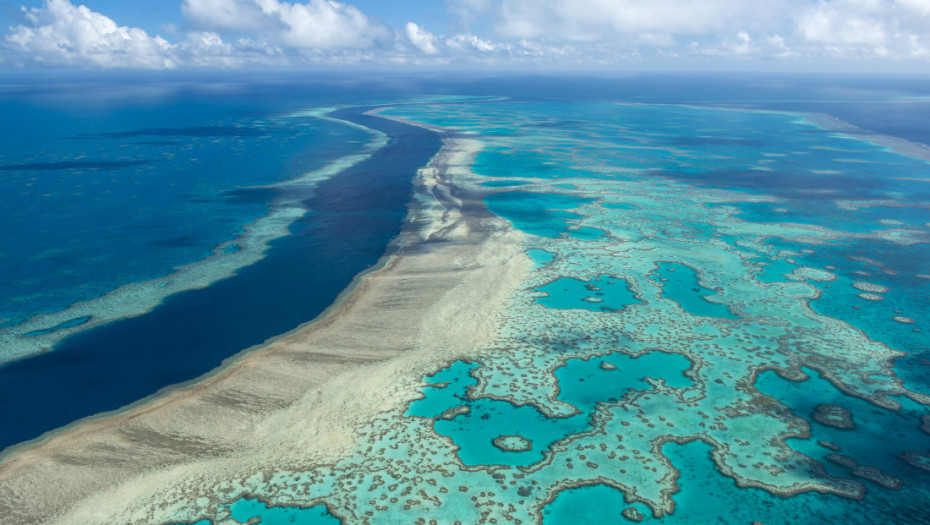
{"points": [[353, 217], [97, 198]]}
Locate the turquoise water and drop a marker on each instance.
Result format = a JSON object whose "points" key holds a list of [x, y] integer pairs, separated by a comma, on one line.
{"points": [[707, 496], [601, 293], [704, 496], [583, 384], [540, 214], [487, 419], [442, 396], [680, 283], [504, 183], [245, 510], [694, 306], [540, 257], [895, 427], [801, 200]]}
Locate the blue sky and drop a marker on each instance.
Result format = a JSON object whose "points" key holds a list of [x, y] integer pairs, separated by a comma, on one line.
{"points": [[848, 35], [151, 15]]}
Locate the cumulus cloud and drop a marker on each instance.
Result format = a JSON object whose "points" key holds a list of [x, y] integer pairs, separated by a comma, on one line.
{"points": [[317, 24], [868, 28], [208, 49], [845, 23], [61, 34], [762, 29], [421, 39], [587, 20], [241, 33], [471, 42]]}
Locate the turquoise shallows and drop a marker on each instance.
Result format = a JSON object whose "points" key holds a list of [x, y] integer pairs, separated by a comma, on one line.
{"points": [[774, 271], [679, 283], [485, 419], [504, 183], [447, 389], [704, 496], [586, 382], [587, 234], [540, 257], [602, 293], [537, 213], [619, 206], [246, 510], [744, 207], [474, 424], [868, 420], [475, 432]]}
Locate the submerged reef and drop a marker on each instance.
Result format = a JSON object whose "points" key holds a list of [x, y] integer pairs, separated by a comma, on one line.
{"points": [[683, 337], [654, 331]]}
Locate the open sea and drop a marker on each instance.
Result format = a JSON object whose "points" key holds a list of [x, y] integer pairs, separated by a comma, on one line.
{"points": [[726, 322], [101, 195]]}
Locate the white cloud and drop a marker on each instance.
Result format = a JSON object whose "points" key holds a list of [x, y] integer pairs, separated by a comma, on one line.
{"points": [[740, 30], [207, 49], [61, 34], [421, 39], [896, 29], [587, 33], [845, 22], [317, 24], [591, 20], [920, 6]]}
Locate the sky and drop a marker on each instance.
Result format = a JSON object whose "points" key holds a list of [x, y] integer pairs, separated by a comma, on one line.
{"points": [[843, 35]]}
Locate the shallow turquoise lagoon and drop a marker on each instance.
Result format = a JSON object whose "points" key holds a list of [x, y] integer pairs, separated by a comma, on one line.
{"points": [[504, 183], [537, 213], [586, 382], [619, 206], [705, 496], [896, 269], [540, 257], [253, 510], [601, 293], [896, 428], [247, 510], [484, 420], [780, 170], [447, 389], [475, 424], [680, 283], [475, 432]]}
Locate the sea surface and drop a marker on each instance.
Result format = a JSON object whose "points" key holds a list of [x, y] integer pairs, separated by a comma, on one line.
{"points": [[725, 323], [99, 198]]}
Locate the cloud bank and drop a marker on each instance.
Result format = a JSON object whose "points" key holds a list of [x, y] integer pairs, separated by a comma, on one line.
{"points": [[317, 24], [243, 33], [61, 34]]}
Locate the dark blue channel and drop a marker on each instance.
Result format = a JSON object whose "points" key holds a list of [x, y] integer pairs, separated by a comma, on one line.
{"points": [[353, 217]]}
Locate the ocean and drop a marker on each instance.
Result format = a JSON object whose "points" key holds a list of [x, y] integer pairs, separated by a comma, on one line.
{"points": [[217, 168], [724, 322]]}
